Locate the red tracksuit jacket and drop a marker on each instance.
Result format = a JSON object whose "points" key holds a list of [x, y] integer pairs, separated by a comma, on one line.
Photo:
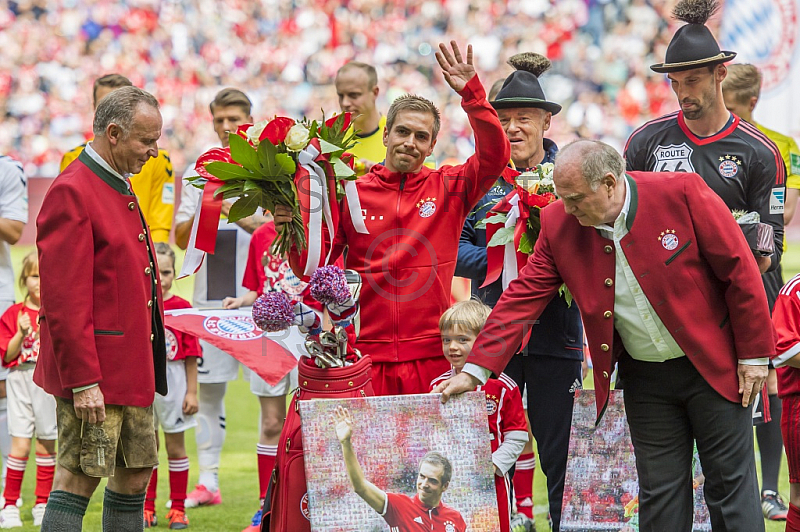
{"points": [[414, 220]]}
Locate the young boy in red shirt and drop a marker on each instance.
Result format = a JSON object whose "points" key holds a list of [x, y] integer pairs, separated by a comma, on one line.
{"points": [[459, 326]]}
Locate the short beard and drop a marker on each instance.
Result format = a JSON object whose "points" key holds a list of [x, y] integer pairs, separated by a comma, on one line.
{"points": [[697, 114]]}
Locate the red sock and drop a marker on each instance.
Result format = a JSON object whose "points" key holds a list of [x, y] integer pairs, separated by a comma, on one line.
{"points": [[523, 483], [150, 496], [793, 520], [45, 469], [178, 482], [16, 470], [266, 463]]}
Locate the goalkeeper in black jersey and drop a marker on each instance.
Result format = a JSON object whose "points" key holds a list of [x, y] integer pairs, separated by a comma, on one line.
{"points": [[746, 170]]}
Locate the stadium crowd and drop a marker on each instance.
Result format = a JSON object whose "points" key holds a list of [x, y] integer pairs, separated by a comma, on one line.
{"points": [[286, 55]]}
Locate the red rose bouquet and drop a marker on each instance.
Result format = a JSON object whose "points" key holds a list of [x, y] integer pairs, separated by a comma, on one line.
{"points": [[301, 164]]}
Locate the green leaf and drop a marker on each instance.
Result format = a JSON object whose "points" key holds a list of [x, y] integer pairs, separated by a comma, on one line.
{"points": [[229, 187], [244, 207], [503, 236], [493, 218], [327, 147], [250, 186], [227, 171], [271, 169], [566, 294], [286, 162], [242, 152], [341, 169], [525, 244]]}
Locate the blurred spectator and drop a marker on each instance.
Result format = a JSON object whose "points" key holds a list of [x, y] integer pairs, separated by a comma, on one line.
{"points": [[287, 53]]}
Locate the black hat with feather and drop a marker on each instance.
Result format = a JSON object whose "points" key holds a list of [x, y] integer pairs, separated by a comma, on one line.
{"points": [[693, 46], [522, 88]]}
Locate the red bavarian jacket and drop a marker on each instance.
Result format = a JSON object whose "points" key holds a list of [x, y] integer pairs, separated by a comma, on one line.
{"points": [[707, 290], [101, 317], [414, 221]]}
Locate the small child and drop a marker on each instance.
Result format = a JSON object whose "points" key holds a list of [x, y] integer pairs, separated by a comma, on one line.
{"points": [[786, 317], [174, 411], [31, 410], [459, 327]]}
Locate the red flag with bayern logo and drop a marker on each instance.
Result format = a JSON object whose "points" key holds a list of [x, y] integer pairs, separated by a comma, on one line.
{"points": [[270, 355]]}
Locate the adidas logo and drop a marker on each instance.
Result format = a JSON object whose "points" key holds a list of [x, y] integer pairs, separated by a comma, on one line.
{"points": [[418, 520], [577, 385]]}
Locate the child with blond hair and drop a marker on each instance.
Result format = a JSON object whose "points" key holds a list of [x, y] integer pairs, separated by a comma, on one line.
{"points": [[459, 327]]}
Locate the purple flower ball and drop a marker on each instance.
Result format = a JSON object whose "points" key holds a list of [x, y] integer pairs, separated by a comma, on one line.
{"points": [[329, 285], [272, 312]]}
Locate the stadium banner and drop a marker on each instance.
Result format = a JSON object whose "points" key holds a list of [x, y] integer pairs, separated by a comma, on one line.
{"points": [[766, 34], [601, 489], [270, 355], [390, 436]]}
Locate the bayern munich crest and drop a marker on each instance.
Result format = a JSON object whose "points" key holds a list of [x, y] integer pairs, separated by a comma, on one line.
{"points": [[668, 239], [449, 527], [491, 405], [304, 506], [770, 43], [232, 327], [729, 166], [172, 344], [427, 207]]}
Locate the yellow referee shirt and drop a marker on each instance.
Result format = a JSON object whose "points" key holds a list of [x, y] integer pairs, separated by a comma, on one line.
{"points": [[789, 152], [791, 158], [154, 187]]}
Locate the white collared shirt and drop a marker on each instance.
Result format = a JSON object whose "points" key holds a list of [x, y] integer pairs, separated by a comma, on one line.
{"points": [[102, 162]]}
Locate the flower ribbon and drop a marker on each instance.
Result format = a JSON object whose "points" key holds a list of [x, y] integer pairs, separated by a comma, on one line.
{"points": [[506, 260], [313, 183], [203, 237]]}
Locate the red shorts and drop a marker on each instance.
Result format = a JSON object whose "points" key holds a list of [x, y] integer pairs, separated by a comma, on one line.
{"points": [[790, 427], [502, 486], [405, 378]]}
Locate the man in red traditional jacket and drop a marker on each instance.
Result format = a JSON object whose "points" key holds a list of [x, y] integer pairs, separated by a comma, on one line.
{"points": [[667, 286], [414, 216], [103, 351]]}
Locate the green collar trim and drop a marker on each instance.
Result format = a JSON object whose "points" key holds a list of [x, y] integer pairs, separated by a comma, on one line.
{"points": [[110, 179], [634, 202]]}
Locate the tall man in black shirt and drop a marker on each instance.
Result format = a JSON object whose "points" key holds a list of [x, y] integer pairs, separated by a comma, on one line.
{"points": [[734, 158]]}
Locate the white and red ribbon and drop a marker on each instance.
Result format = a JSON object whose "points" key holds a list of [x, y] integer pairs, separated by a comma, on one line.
{"points": [[317, 188], [354, 206], [510, 266], [194, 256]]}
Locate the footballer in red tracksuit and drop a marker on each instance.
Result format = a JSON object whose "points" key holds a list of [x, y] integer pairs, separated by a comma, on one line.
{"points": [[408, 258], [409, 514], [506, 416], [786, 317]]}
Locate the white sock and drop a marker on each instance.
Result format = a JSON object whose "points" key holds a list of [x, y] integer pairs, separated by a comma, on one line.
{"points": [[5, 437], [210, 432]]}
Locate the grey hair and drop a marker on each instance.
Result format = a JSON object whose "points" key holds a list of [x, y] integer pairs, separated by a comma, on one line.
{"points": [[119, 107], [596, 159], [438, 459]]}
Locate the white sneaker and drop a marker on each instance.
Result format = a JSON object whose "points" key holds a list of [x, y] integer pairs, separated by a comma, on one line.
{"points": [[38, 513], [9, 517], [3, 502]]}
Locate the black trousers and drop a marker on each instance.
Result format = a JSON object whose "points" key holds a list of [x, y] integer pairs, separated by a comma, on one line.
{"points": [[551, 384], [669, 405]]}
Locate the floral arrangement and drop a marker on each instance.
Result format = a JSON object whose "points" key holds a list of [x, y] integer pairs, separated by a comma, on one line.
{"points": [[301, 164], [535, 190], [514, 221]]}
